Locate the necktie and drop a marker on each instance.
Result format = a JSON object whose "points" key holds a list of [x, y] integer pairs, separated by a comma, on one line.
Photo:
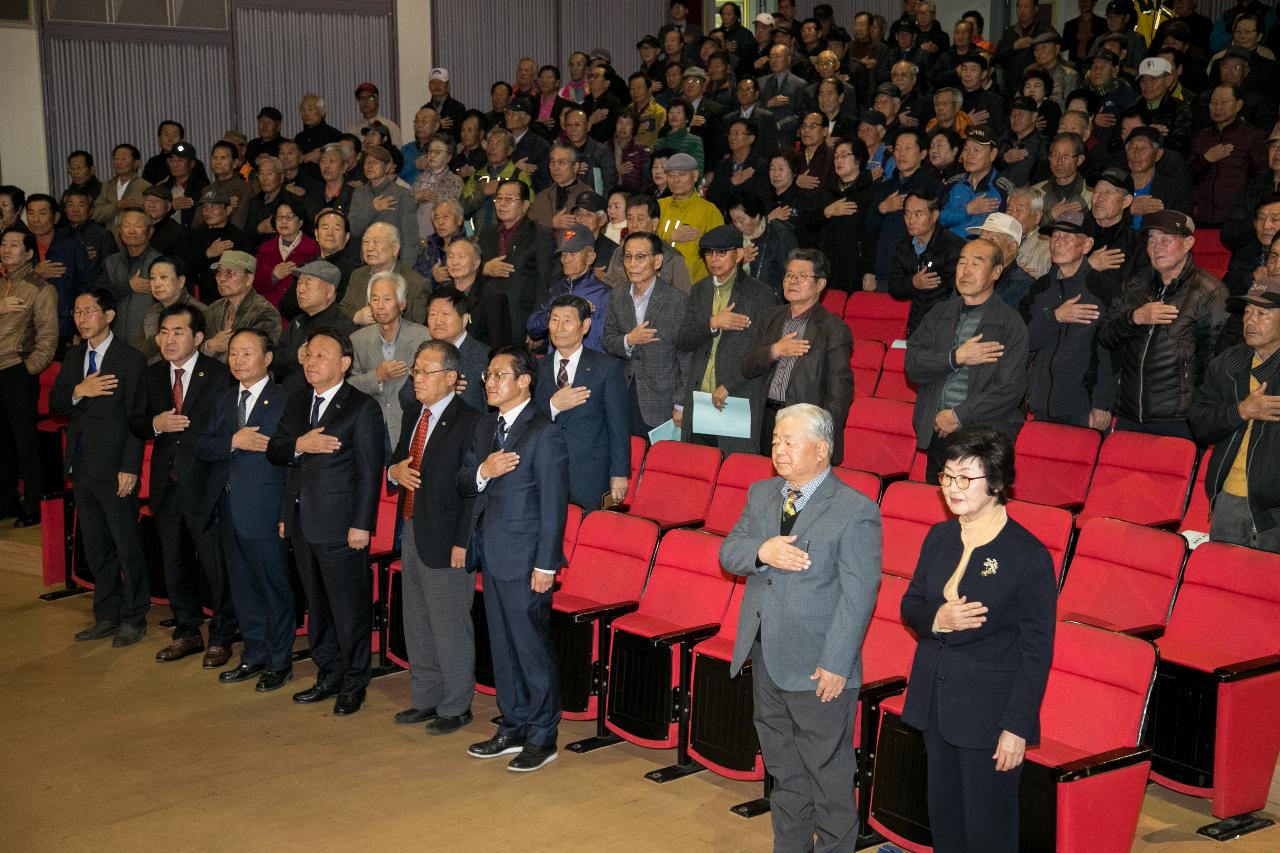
{"points": [[242, 410], [93, 361], [562, 378], [177, 388], [315, 410], [500, 433], [789, 510], [415, 460]]}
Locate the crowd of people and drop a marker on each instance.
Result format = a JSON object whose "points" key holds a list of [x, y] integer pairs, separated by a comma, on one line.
{"points": [[310, 317]]}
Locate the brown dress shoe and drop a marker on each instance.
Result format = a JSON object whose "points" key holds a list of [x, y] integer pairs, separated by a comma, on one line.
{"points": [[179, 649], [216, 657]]}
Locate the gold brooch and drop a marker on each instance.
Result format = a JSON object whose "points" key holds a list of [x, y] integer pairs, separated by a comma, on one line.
{"points": [[989, 567]]}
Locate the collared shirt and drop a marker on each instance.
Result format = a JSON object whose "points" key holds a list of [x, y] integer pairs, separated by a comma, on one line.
{"points": [[806, 489], [507, 236], [328, 394], [187, 368], [101, 350], [571, 369], [389, 346], [508, 418], [641, 304], [255, 391], [782, 369], [437, 411]]}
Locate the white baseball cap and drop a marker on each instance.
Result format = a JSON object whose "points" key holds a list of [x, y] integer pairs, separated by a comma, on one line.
{"points": [[1154, 66], [1001, 223], [440, 74], [764, 18]]}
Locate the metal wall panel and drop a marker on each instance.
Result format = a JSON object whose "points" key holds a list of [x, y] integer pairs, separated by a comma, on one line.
{"points": [[480, 41], [282, 54], [588, 24], [101, 93]]}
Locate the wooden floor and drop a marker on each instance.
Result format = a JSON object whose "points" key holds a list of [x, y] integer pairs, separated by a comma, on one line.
{"points": [[106, 750]]}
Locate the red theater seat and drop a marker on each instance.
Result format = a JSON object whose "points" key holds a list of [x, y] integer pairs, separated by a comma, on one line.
{"points": [[865, 362], [878, 437], [893, 384], [638, 449], [736, 475], [877, 316], [676, 484], [834, 301], [1209, 253], [1141, 478], [861, 481], [907, 511], [1123, 577], [1054, 463], [1050, 524], [1196, 518]]}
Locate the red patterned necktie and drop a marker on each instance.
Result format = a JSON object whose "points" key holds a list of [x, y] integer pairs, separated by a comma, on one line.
{"points": [[415, 460], [177, 388]]}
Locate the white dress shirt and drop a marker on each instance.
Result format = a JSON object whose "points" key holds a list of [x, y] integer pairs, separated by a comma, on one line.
{"points": [[571, 369], [101, 350]]}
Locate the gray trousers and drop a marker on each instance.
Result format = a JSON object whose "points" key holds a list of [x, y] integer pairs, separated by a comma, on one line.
{"points": [[1233, 523], [807, 746], [438, 633]]}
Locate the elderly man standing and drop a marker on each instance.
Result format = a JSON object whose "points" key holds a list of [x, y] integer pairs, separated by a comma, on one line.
{"points": [[924, 265], [367, 102], [124, 274], [317, 287], [381, 199], [384, 350], [240, 306], [517, 253], [809, 547], [1231, 410], [976, 194], [685, 215], [1163, 329], [1015, 284], [1066, 190], [168, 280], [382, 251], [577, 255], [969, 358], [802, 350]]}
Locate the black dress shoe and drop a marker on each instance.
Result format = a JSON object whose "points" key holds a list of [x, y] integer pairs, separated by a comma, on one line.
{"points": [[495, 746], [129, 634], [348, 703], [273, 680], [316, 693], [97, 632], [448, 725], [243, 672], [412, 716], [25, 520], [532, 758]]}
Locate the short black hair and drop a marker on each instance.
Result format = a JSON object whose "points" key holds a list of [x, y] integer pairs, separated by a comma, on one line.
{"points": [[195, 317], [342, 339], [654, 241], [297, 206], [333, 211], [502, 83], [526, 192], [16, 195], [953, 139], [815, 257], [263, 337], [977, 16], [749, 124], [922, 139], [994, 452], [230, 146], [449, 294], [88, 158], [43, 197], [930, 198], [570, 300], [856, 146], [748, 201], [182, 131], [132, 149], [682, 103], [1037, 74], [648, 202], [1268, 199], [28, 239], [554, 69], [106, 301], [179, 268], [522, 363]]}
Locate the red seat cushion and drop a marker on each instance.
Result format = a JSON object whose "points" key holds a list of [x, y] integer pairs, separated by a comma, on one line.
{"points": [[676, 483], [865, 363], [877, 316], [879, 436]]}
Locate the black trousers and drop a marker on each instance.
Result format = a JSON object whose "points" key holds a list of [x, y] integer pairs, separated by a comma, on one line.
{"points": [[113, 549], [973, 808], [339, 588], [524, 660], [182, 577], [1177, 429], [258, 576], [19, 453], [935, 457]]}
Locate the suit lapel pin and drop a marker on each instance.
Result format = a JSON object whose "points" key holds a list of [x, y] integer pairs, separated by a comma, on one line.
{"points": [[989, 567], [200, 374]]}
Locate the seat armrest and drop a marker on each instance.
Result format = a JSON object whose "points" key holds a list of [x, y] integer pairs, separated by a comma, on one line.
{"points": [[384, 559], [1102, 762], [685, 635], [1145, 632], [604, 611], [691, 524], [622, 507], [874, 691], [1248, 668]]}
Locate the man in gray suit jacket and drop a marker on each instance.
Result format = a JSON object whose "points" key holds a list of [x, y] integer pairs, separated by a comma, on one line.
{"points": [[780, 90], [641, 327], [809, 547], [384, 351]]}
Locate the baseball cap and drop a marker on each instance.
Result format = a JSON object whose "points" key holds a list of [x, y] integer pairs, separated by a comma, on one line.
{"points": [[763, 18], [1275, 134], [1071, 222], [1117, 177], [1265, 293], [980, 135], [271, 113], [1108, 55], [158, 191], [183, 149], [976, 58], [1022, 102], [441, 74], [874, 117], [1001, 223], [681, 162], [695, 72], [721, 237], [903, 24], [521, 105], [600, 53], [322, 270], [214, 195], [1169, 222], [592, 202], [1154, 66], [1047, 37], [366, 89], [1144, 131], [648, 41], [1119, 7], [236, 260], [574, 239], [888, 89]]}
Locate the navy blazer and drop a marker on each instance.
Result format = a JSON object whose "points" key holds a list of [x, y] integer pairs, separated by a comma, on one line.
{"points": [[256, 486], [337, 491], [101, 424], [441, 515], [992, 678], [599, 431], [522, 512], [473, 356]]}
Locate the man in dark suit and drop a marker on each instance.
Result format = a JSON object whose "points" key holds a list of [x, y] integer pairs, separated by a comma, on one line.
{"points": [[585, 392], [518, 252], [447, 321], [238, 426], [178, 391], [436, 432], [100, 389], [809, 547], [331, 435], [518, 472], [802, 350], [640, 327], [317, 291], [707, 114]]}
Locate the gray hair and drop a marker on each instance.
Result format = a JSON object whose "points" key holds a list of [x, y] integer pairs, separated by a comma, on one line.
{"points": [[395, 232], [952, 93], [454, 205], [402, 289], [151, 223], [269, 162], [817, 421], [470, 243], [1036, 196], [335, 148], [449, 358], [319, 101]]}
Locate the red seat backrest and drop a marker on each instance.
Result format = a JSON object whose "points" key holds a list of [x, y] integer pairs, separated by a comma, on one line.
{"points": [[907, 512], [1054, 463], [877, 316], [889, 645], [572, 522], [384, 535], [47, 377], [834, 300], [677, 481], [1197, 515], [1097, 689], [1141, 478], [1122, 575], [862, 481], [1050, 524], [893, 384], [611, 558], [638, 449], [1209, 253], [1229, 601], [144, 475], [865, 362], [687, 586], [736, 475], [878, 436]]}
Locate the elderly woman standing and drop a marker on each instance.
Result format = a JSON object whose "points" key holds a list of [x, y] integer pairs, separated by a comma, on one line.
{"points": [[434, 184], [446, 226], [982, 602]]}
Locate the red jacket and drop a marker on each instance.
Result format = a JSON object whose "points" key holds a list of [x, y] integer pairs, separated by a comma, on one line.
{"points": [[1218, 184], [269, 255]]}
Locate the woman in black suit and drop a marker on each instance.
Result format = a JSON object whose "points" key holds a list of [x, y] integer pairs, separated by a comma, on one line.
{"points": [[982, 603]]}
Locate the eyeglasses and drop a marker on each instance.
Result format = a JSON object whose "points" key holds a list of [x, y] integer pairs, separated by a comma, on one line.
{"points": [[492, 376], [423, 374], [85, 312], [808, 125], [718, 252], [636, 258], [798, 276], [962, 482]]}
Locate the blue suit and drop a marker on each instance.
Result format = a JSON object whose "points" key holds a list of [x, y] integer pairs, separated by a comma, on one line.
{"points": [[250, 489], [599, 431], [518, 525]]}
